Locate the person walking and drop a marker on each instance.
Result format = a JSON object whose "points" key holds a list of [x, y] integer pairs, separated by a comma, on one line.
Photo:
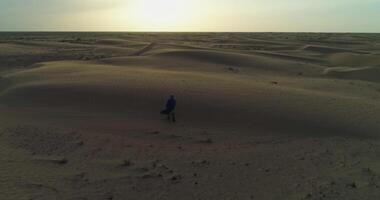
{"points": [[170, 108]]}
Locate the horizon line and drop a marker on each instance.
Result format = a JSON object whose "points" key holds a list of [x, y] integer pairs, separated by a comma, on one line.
{"points": [[80, 31]]}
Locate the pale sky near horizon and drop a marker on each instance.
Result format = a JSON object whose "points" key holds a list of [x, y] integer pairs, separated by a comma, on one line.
{"points": [[191, 15]]}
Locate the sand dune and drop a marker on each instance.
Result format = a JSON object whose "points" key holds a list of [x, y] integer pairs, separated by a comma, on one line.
{"points": [[297, 58], [326, 49], [53, 45], [259, 61], [114, 51], [354, 60], [219, 97], [362, 73], [119, 42], [259, 116], [10, 49]]}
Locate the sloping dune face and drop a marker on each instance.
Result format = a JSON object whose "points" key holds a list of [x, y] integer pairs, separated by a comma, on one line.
{"points": [[358, 73], [223, 58], [221, 81], [326, 49], [218, 99], [354, 60]]}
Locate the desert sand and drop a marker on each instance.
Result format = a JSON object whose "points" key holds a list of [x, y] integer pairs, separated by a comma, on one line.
{"points": [[260, 116]]}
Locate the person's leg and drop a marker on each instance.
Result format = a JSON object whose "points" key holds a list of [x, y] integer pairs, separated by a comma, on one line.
{"points": [[167, 113], [173, 117]]}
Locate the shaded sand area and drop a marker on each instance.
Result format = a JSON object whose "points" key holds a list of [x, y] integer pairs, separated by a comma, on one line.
{"points": [[260, 116]]}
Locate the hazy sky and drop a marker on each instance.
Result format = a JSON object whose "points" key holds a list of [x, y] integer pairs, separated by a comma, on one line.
{"points": [[191, 15]]}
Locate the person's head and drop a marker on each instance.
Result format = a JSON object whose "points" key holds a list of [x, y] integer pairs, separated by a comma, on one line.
{"points": [[172, 96]]}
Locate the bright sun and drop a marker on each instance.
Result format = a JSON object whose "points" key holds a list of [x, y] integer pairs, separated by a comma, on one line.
{"points": [[160, 13]]}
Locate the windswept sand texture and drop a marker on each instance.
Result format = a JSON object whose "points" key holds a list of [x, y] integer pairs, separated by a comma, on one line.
{"points": [[260, 116]]}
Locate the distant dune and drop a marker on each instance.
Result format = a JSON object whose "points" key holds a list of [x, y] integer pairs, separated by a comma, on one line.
{"points": [[326, 50], [354, 60], [360, 73]]}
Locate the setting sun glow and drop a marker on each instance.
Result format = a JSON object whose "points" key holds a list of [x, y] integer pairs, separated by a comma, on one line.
{"points": [[160, 14]]}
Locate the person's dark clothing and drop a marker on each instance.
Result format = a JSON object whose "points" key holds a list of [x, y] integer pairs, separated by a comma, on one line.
{"points": [[170, 109], [171, 104]]}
